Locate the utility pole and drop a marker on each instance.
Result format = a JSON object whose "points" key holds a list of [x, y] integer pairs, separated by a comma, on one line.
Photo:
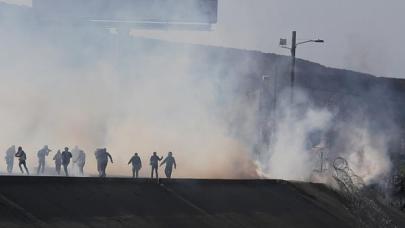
{"points": [[293, 49]]}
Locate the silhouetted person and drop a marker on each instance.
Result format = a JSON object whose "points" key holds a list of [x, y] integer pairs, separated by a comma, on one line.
{"points": [[42, 153], [154, 162], [102, 160], [136, 165], [66, 156], [22, 157], [10, 158], [170, 162], [58, 161], [80, 161]]}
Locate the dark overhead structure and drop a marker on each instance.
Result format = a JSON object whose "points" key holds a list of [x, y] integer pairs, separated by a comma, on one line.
{"points": [[187, 14]]}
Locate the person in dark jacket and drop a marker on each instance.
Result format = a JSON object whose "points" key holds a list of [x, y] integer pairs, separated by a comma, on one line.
{"points": [[22, 157], [136, 165], [102, 160], [58, 161], [154, 162], [66, 156], [170, 163]]}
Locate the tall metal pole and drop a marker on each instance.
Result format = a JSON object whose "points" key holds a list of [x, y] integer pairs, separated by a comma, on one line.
{"points": [[293, 48]]}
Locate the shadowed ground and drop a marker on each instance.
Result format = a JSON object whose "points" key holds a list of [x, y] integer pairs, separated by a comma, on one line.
{"points": [[121, 202]]}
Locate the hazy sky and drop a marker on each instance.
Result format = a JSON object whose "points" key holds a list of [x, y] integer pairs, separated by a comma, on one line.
{"points": [[363, 35]]}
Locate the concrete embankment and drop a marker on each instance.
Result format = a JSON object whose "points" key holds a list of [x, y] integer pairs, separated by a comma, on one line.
{"points": [[121, 202]]}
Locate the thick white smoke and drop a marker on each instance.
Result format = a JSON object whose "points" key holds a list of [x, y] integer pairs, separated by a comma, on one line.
{"points": [[65, 86], [289, 156], [293, 155], [366, 152]]}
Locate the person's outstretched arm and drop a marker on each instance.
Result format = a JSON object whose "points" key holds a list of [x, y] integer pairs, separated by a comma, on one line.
{"points": [[130, 160], [163, 162], [109, 155]]}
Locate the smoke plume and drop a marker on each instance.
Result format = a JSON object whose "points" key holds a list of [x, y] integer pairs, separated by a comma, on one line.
{"points": [[87, 86]]}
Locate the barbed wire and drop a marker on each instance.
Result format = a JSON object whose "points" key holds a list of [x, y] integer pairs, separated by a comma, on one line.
{"points": [[362, 205]]}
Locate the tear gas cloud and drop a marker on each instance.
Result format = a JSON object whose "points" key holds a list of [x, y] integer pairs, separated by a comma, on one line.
{"points": [[64, 86], [303, 127], [158, 107]]}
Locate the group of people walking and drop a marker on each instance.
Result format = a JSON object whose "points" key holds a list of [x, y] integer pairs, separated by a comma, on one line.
{"points": [[154, 163], [79, 159]]}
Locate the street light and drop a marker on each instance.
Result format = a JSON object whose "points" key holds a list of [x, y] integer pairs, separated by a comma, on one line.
{"points": [[294, 44]]}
